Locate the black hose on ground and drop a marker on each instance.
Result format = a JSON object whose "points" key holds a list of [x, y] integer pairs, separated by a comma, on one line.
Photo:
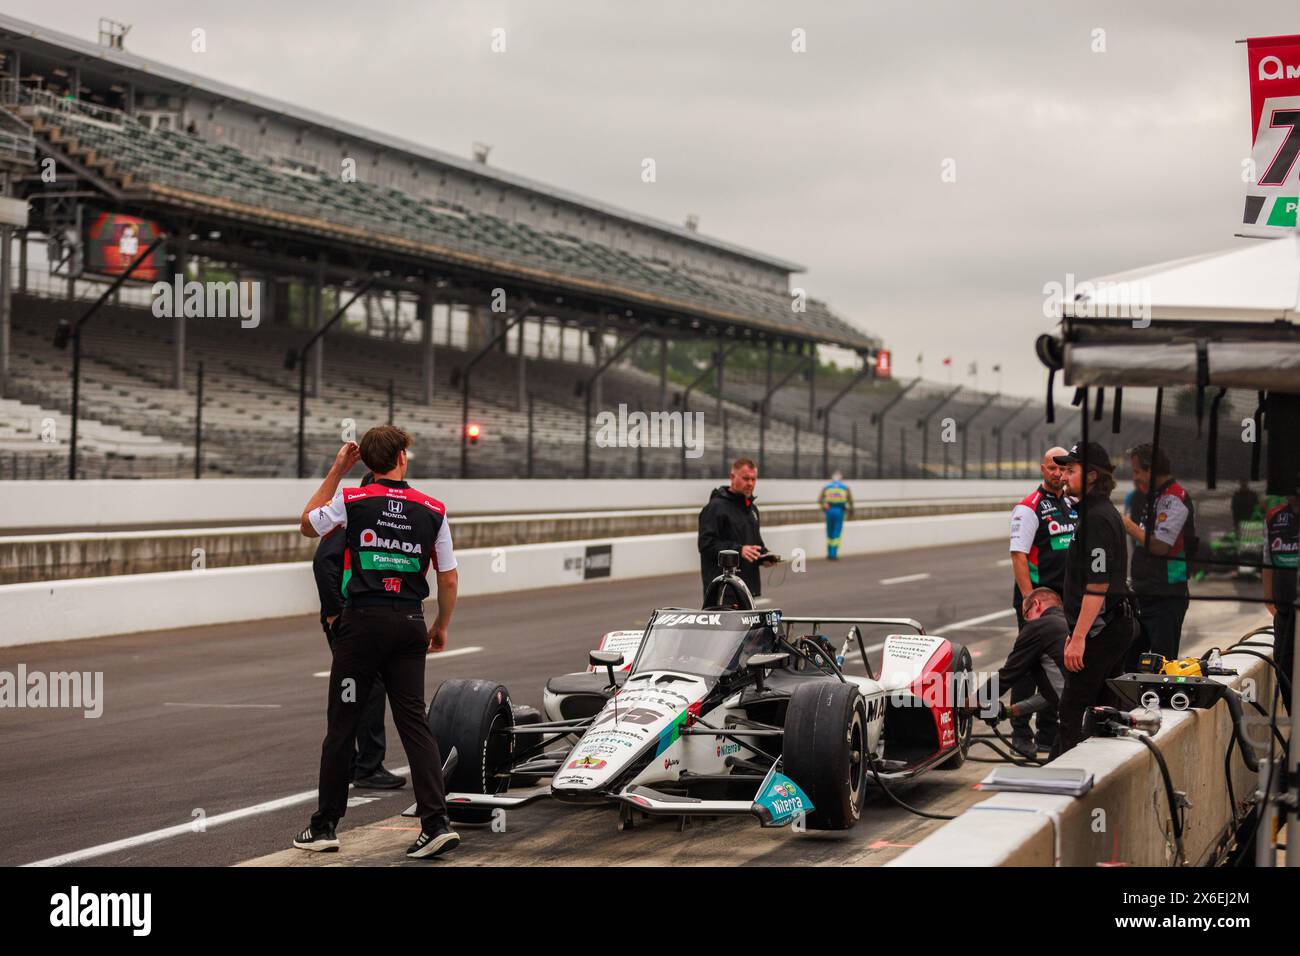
{"points": [[871, 765]]}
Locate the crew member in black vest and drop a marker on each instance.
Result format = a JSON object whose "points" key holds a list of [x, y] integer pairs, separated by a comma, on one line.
{"points": [[1166, 540], [395, 535], [1042, 525], [368, 771], [1281, 557]]}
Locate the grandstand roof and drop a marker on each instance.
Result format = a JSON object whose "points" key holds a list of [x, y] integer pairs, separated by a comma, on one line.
{"points": [[170, 171], [54, 43]]}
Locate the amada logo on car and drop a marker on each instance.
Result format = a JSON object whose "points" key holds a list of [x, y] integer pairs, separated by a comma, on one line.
{"points": [[371, 539]]}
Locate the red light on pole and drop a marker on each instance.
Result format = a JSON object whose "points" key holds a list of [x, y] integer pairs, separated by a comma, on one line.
{"points": [[472, 431]]}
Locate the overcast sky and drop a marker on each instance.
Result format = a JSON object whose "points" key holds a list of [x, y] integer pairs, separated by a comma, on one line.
{"points": [[1067, 160]]}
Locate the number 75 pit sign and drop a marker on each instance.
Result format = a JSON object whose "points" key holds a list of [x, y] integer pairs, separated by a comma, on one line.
{"points": [[1273, 189]]}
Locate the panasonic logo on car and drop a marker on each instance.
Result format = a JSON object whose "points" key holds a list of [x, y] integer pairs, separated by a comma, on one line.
{"points": [[369, 539], [704, 620]]}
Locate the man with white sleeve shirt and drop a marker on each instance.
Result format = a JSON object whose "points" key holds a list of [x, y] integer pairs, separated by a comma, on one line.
{"points": [[1042, 526], [394, 534]]}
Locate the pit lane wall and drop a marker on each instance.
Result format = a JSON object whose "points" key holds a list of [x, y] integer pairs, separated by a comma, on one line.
{"points": [[1124, 819], [88, 505], [98, 607]]}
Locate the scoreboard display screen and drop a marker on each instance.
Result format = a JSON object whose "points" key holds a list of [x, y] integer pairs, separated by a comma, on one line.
{"points": [[114, 241]]}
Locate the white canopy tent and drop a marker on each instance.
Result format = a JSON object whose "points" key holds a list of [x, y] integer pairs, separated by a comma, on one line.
{"points": [[1228, 319]]}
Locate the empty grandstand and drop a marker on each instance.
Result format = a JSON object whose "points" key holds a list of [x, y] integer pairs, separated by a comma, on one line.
{"points": [[417, 266]]}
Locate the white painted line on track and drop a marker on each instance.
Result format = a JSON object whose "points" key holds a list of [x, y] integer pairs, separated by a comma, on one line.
{"points": [[1004, 563], [171, 703], [440, 656], [181, 829], [904, 579], [958, 625]]}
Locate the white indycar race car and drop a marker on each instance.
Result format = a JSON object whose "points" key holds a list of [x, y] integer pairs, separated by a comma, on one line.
{"points": [[712, 712]]}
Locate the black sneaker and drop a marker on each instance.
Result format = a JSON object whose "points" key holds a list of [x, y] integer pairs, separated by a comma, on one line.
{"points": [[430, 843], [1025, 747], [319, 841], [381, 779]]}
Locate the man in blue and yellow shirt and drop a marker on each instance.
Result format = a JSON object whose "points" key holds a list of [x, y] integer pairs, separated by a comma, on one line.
{"points": [[836, 501]]}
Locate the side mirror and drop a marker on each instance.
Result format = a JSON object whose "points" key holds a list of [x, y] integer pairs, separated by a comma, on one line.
{"points": [[757, 663], [607, 659]]}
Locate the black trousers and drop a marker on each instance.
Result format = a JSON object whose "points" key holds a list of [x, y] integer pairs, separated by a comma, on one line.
{"points": [[1103, 657], [372, 742], [1160, 627], [388, 642], [1047, 721]]}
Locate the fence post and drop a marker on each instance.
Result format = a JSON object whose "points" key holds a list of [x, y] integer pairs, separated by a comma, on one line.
{"points": [[529, 472], [198, 426]]}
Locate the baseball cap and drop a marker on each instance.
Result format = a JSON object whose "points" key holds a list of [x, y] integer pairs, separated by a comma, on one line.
{"points": [[1091, 456]]}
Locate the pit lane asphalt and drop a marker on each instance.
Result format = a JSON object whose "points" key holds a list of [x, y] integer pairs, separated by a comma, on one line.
{"points": [[202, 722]]}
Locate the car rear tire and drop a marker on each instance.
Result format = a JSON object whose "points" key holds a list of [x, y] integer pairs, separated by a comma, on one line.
{"points": [[825, 751], [472, 715], [963, 673]]}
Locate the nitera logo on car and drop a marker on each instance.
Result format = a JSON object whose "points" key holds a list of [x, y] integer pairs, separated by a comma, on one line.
{"points": [[780, 801]]}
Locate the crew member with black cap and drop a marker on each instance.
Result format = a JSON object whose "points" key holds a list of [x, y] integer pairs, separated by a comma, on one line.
{"points": [[1097, 607]]}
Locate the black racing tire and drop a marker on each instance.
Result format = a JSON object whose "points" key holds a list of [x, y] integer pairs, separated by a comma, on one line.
{"points": [[963, 672], [825, 751], [471, 716]]}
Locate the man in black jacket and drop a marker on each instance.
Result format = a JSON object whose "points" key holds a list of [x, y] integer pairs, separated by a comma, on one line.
{"points": [[729, 522], [368, 771]]}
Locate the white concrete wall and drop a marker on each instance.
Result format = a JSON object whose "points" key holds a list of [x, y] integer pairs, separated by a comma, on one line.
{"points": [[83, 505], [98, 607], [1122, 820]]}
